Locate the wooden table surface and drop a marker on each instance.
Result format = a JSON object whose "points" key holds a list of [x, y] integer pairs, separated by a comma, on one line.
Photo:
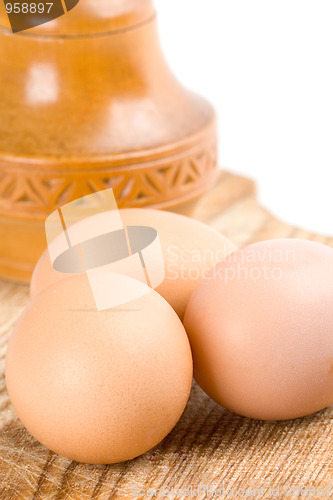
{"points": [[210, 447]]}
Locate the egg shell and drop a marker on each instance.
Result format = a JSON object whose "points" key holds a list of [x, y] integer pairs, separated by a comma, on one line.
{"points": [[98, 387], [190, 250], [261, 330]]}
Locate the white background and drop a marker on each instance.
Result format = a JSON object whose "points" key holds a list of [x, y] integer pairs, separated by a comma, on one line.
{"points": [[267, 67]]}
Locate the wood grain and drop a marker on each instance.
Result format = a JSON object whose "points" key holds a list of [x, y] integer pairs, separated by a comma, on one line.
{"points": [[210, 446]]}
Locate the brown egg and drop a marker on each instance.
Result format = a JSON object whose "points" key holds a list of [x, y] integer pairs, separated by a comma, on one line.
{"points": [[261, 330], [98, 387], [190, 250]]}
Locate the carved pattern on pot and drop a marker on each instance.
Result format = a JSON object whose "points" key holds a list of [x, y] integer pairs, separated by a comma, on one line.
{"points": [[33, 191]]}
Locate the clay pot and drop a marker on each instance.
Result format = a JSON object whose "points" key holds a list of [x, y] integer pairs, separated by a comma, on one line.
{"points": [[88, 103]]}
